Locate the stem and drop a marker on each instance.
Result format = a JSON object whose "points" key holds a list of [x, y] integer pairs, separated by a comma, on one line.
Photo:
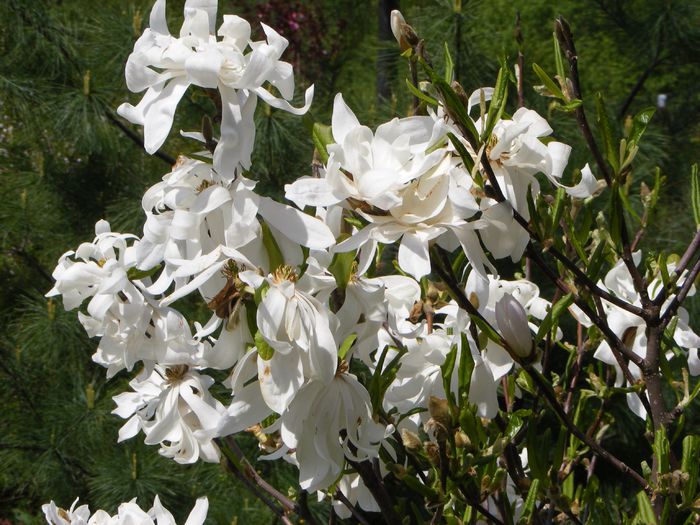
{"points": [[243, 470], [136, 138], [355, 513]]}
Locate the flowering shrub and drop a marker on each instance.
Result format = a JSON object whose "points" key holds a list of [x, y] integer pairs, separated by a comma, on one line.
{"points": [[419, 392]]}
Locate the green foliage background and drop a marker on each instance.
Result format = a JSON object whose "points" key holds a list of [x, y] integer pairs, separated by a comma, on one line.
{"points": [[67, 160]]}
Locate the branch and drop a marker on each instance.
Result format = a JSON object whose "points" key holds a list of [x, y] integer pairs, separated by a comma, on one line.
{"points": [[355, 513], [136, 138], [243, 470], [592, 444], [566, 40]]}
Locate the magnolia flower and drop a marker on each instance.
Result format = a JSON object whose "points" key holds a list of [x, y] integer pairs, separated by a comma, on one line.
{"points": [[128, 514], [299, 328], [516, 155], [397, 181], [325, 423], [165, 66], [174, 408]]}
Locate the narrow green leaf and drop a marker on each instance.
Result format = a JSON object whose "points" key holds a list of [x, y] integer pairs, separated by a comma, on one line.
{"points": [[420, 95], [557, 210], [274, 254], [447, 369], [662, 449], [689, 465], [322, 136], [449, 65], [695, 194], [645, 512], [466, 157], [639, 125], [134, 274], [347, 344], [558, 59], [552, 317], [548, 82], [454, 106], [466, 367], [605, 130]]}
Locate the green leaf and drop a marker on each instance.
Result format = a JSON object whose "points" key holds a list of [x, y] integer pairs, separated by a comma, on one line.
{"points": [[454, 106], [274, 254], [548, 83], [662, 449], [343, 350], [341, 268], [420, 95], [449, 65], [595, 263], [689, 465], [265, 351], [447, 369], [558, 59], [695, 194], [466, 157], [134, 274], [466, 367], [615, 215], [645, 512], [557, 210], [322, 136], [552, 318], [605, 130], [639, 125], [497, 104]]}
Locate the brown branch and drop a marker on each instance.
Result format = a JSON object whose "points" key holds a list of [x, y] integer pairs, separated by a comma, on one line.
{"points": [[355, 513], [255, 483], [551, 399], [563, 32], [136, 138]]}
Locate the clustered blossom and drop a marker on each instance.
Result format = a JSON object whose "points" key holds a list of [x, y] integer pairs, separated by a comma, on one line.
{"points": [[128, 514], [295, 300]]}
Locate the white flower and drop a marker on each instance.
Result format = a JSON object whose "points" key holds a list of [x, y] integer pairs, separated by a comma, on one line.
{"points": [[392, 179], [174, 408], [165, 66], [128, 514], [316, 418]]}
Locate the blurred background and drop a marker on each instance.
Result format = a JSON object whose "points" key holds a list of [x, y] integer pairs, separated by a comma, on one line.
{"points": [[67, 160]]}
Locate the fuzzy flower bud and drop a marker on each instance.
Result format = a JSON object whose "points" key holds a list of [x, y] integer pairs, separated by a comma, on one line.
{"points": [[405, 35], [512, 323]]}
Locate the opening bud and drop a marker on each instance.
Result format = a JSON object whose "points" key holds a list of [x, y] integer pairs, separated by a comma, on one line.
{"points": [[512, 323], [404, 34]]}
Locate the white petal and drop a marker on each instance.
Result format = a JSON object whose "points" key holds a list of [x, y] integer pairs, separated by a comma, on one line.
{"points": [[296, 225]]}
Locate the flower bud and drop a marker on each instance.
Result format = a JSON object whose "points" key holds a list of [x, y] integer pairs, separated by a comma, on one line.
{"points": [[512, 323], [410, 440], [439, 410], [404, 34]]}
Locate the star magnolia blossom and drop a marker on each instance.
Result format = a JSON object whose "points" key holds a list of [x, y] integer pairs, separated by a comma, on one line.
{"points": [[397, 181], [516, 154], [128, 514], [165, 66], [174, 408]]}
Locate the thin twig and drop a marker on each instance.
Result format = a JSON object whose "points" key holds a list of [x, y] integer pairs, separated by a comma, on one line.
{"points": [[566, 420], [355, 513]]}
